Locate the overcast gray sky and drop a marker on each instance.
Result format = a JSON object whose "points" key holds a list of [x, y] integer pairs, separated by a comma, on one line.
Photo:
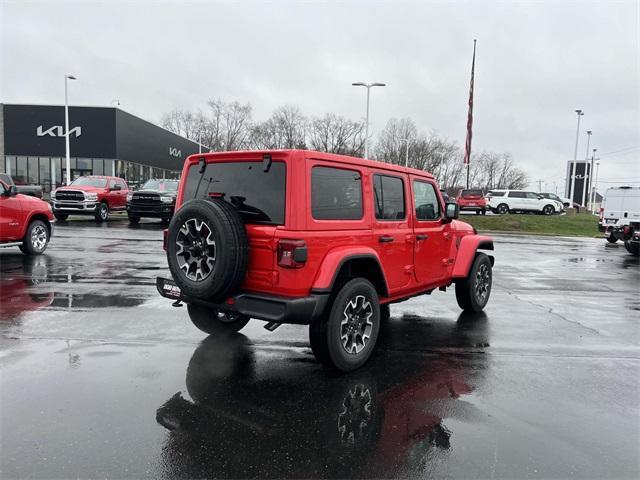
{"points": [[536, 63]]}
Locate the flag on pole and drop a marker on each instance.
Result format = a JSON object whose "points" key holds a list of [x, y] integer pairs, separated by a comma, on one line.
{"points": [[467, 147]]}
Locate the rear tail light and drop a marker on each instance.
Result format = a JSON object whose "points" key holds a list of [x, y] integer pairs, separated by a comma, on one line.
{"points": [[165, 236], [292, 253]]}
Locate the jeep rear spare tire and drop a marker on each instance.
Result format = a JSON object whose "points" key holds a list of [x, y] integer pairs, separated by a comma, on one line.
{"points": [[207, 249]]}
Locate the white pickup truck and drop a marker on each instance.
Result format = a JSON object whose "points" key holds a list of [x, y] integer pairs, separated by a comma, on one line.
{"points": [[620, 217]]}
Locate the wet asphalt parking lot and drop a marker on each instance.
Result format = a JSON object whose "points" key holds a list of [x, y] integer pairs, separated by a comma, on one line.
{"points": [[101, 377]]}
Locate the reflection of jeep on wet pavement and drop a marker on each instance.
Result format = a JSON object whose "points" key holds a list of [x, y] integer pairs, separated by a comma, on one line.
{"points": [[318, 239], [383, 421]]}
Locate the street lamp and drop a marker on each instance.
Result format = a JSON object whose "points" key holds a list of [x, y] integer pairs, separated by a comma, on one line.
{"points": [[587, 177], [406, 157], [591, 184], [595, 191], [572, 175], [366, 127], [66, 126]]}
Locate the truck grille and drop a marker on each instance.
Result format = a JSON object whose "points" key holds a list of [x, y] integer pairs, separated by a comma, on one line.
{"points": [[142, 198], [70, 195]]}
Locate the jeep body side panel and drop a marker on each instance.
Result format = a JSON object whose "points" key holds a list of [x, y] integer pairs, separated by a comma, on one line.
{"points": [[333, 261], [469, 245]]}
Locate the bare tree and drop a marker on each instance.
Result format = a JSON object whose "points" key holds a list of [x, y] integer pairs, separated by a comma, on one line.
{"points": [[286, 128], [335, 134]]}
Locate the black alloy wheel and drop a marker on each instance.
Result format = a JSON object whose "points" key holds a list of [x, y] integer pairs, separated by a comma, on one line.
{"points": [[503, 208], [548, 210], [472, 292]]}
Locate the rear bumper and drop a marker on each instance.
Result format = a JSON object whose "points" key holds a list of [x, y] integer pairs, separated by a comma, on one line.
{"points": [[270, 308], [472, 208]]}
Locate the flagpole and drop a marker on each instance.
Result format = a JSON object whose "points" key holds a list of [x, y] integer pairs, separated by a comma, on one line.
{"points": [[467, 149]]}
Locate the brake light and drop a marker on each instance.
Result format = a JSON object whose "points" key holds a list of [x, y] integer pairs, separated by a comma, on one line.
{"points": [[292, 253], [165, 236]]}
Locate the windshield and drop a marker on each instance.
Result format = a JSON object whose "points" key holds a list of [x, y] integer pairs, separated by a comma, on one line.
{"points": [[97, 182], [161, 185], [258, 196], [471, 193]]}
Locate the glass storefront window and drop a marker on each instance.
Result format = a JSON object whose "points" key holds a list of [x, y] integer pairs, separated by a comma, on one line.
{"points": [[45, 174], [98, 167], [109, 168], [10, 165], [84, 164], [20, 173], [33, 171]]}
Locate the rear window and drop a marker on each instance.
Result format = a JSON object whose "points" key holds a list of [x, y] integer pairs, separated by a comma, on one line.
{"points": [[336, 194], [258, 196], [471, 193]]}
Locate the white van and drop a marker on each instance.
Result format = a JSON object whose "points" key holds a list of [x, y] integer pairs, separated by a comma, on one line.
{"points": [[620, 216]]}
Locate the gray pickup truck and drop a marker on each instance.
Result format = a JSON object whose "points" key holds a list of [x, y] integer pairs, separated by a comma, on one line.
{"points": [[32, 190]]}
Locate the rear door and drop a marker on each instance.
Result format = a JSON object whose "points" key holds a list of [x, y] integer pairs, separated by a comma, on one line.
{"points": [[517, 200], [392, 229], [432, 241]]}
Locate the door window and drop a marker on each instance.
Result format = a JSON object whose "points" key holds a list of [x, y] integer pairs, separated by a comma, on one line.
{"points": [[425, 200], [388, 193], [517, 195]]}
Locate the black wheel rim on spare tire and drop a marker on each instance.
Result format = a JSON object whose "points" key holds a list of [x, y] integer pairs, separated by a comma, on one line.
{"points": [[196, 249]]}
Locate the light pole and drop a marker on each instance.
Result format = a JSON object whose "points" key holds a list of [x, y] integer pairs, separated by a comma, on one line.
{"points": [[406, 157], [595, 190], [366, 127], [66, 126], [587, 177], [591, 185], [572, 175]]}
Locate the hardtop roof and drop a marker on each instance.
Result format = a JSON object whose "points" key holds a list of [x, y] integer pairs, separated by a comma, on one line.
{"points": [[310, 154]]}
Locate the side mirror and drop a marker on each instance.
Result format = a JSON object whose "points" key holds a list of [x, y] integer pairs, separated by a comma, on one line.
{"points": [[11, 191], [452, 211]]}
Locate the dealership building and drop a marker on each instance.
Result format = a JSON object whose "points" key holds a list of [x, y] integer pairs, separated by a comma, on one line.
{"points": [[103, 141]]}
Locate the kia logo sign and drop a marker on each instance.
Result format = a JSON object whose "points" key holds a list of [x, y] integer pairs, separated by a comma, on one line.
{"points": [[57, 131], [174, 152]]}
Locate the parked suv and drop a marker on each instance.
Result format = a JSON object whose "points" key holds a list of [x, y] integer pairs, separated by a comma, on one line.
{"points": [[512, 201], [318, 239], [472, 200], [156, 199], [25, 221], [91, 195]]}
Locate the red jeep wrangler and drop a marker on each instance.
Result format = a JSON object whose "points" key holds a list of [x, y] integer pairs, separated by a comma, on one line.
{"points": [[91, 195], [313, 238], [25, 221]]}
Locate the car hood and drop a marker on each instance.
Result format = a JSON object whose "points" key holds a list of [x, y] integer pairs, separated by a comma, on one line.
{"points": [[82, 188]]}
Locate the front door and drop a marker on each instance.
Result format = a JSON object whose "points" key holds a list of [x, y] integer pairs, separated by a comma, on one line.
{"points": [[11, 216], [432, 239], [391, 228]]}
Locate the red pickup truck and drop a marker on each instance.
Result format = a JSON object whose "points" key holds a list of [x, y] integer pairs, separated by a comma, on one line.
{"points": [[25, 221], [91, 195]]}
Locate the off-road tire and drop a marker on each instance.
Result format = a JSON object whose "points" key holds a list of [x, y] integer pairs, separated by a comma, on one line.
{"points": [[469, 290], [36, 238], [358, 296], [211, 321], [502, 209], [231, 249], [548, 210], [134, 220], [102, 212], [61, 216], [632, 248]]}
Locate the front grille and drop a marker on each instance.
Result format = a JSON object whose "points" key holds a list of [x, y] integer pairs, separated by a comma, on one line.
{"points": [[70, 195], [142, 198]]}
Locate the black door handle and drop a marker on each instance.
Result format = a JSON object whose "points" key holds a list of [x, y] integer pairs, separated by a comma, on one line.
{"points": [[385, 239], [422, 236]]}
